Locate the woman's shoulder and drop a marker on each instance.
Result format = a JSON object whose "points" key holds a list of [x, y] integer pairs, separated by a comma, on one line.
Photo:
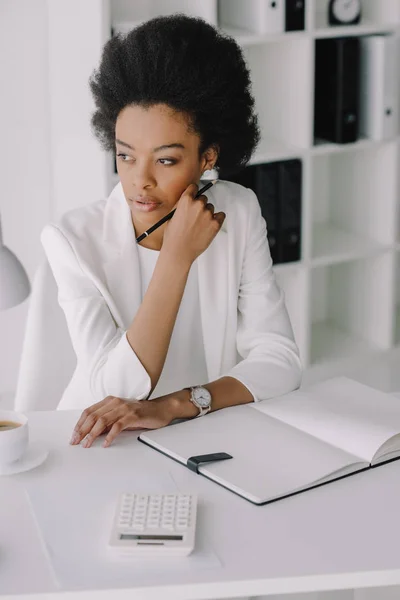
{"points": [[82, 219], [90, 221], [234, 199]]}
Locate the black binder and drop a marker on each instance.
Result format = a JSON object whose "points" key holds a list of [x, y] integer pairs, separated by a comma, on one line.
{"points": [[264, 181], [278, 187], [267, 191], [337, 83], [290, 172], [294, 15]]}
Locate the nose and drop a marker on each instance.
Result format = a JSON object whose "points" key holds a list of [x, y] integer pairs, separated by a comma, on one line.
{"points": [[143, 178]]}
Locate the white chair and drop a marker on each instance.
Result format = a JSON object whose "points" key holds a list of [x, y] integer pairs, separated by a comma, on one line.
{"points": [[48, 360]]}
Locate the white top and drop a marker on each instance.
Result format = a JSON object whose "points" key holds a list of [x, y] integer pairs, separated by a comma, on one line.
{"points": [[185, 364]]}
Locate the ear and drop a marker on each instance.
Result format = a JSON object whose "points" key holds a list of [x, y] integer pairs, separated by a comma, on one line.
{"points": [[209, 158]]}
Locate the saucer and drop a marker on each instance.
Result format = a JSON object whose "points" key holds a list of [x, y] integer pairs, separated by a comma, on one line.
{"points": [[35, 455]]}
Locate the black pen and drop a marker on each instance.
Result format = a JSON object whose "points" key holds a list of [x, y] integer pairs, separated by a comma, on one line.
{"points": [[169, 215]]}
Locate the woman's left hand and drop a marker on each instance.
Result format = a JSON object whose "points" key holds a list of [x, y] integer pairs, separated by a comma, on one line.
{"points": [[116, 414]]}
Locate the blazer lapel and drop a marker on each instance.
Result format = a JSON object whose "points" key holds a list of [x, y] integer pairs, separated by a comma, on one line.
{"points": [[121, 267], [213, 267]]}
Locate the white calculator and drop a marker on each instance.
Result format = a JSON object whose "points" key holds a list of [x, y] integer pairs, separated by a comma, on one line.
{"points": [[147, 524]]}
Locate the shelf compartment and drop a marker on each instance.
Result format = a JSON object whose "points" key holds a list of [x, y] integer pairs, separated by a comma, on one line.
{"points": [[123, 11], [351, 309], [333, 245], [352, 31], [270, 150], [397, 301], [329, 343], [261, 17], [384, 12], [282, 84], [397, 325], [324, 147], [354, 195], [293, 280], [244, 37], [377, 16]]}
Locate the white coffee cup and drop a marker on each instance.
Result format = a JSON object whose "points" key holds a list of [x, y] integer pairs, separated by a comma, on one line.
{"points": [[13, 442]]}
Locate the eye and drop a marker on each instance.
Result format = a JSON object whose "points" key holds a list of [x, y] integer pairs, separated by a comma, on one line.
{"points": [[123, 156], [171, 161]]}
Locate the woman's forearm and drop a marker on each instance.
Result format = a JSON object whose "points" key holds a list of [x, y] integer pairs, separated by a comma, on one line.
{"points": [[150, 333], [226, 391]]}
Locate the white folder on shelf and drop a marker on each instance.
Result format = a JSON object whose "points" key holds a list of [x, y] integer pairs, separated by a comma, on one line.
{"points": [[379, 87], [258, 16]]}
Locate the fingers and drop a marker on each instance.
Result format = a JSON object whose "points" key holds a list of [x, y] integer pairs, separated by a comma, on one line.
{"points": [[210, 207], [99, 427], [91, 409], [114, 431], [192, 190], [92, 415], [219, 217]]}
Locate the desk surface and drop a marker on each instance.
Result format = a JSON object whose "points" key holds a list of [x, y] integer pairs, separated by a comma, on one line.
{"points": [[341, 535]]}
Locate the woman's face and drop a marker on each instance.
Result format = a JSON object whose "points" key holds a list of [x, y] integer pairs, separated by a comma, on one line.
{"points": [[157, 158]]}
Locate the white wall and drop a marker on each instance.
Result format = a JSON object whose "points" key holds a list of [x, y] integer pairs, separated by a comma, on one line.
{"points": [[50, 161], [24, 154]]}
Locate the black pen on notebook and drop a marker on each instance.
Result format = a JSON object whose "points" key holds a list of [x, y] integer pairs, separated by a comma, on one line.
{"points": [[169, 215]]}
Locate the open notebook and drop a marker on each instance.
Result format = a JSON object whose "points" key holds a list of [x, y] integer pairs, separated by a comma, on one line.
{"points": [[290, 443]]}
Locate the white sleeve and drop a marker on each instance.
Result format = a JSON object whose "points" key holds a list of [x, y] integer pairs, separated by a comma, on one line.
{"points": [[101, 347], [271, 365]]}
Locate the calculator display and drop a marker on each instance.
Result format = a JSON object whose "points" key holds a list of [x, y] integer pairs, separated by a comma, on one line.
{"points": [[130, 536]]}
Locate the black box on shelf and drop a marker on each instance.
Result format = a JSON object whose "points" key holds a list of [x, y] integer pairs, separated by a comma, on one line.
{"points": [[295, 15], [337, 83], [278, 187], [290, 173]]}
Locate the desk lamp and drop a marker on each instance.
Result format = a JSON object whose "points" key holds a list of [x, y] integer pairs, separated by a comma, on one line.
{"points": [[14, 282]]}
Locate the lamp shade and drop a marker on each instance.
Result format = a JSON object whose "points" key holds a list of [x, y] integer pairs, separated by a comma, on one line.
{"points": [[14, 282]]}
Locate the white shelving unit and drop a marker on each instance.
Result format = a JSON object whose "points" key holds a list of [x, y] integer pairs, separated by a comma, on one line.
{"points": [[343, 296]]}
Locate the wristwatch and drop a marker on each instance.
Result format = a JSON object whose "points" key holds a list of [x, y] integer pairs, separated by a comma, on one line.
{"points": [[201, 398]]}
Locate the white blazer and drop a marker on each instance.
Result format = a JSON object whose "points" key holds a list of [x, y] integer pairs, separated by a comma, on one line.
{"points": [[246, 329]]}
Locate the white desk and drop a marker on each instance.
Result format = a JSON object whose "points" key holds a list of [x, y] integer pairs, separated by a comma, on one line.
{"points": [[342, 535]]}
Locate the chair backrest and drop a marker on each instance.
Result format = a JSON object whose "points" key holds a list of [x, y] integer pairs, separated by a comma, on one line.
{"points": [[48, 359]]}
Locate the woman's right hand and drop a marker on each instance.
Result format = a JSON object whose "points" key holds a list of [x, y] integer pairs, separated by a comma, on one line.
{"points": [[193, 226]]}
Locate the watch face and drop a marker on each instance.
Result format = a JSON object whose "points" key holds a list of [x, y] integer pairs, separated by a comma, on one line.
{"points": [[202, 397], [346, 10]]}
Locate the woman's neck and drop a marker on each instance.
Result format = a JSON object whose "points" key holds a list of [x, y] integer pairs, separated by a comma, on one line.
{"points": [[155, 239]]}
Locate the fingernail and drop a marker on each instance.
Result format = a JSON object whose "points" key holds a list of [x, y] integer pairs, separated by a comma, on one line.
{"points": [[86, 443], [74, 439]]}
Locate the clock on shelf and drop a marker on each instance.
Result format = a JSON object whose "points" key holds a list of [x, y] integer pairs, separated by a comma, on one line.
{"points": [[344, 12]]}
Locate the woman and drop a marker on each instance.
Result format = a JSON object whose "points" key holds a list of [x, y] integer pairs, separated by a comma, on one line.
{"points": [[190, 318]]}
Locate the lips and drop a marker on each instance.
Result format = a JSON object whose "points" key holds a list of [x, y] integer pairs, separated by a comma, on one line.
{"points": [[145, 204], [145, 200]]}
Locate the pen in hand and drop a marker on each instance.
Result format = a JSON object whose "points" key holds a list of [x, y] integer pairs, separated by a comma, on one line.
{"points": [[169, 215]]}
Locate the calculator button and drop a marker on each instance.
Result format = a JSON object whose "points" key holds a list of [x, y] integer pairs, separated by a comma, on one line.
{"points": [[167, 519], [139, 518]]}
